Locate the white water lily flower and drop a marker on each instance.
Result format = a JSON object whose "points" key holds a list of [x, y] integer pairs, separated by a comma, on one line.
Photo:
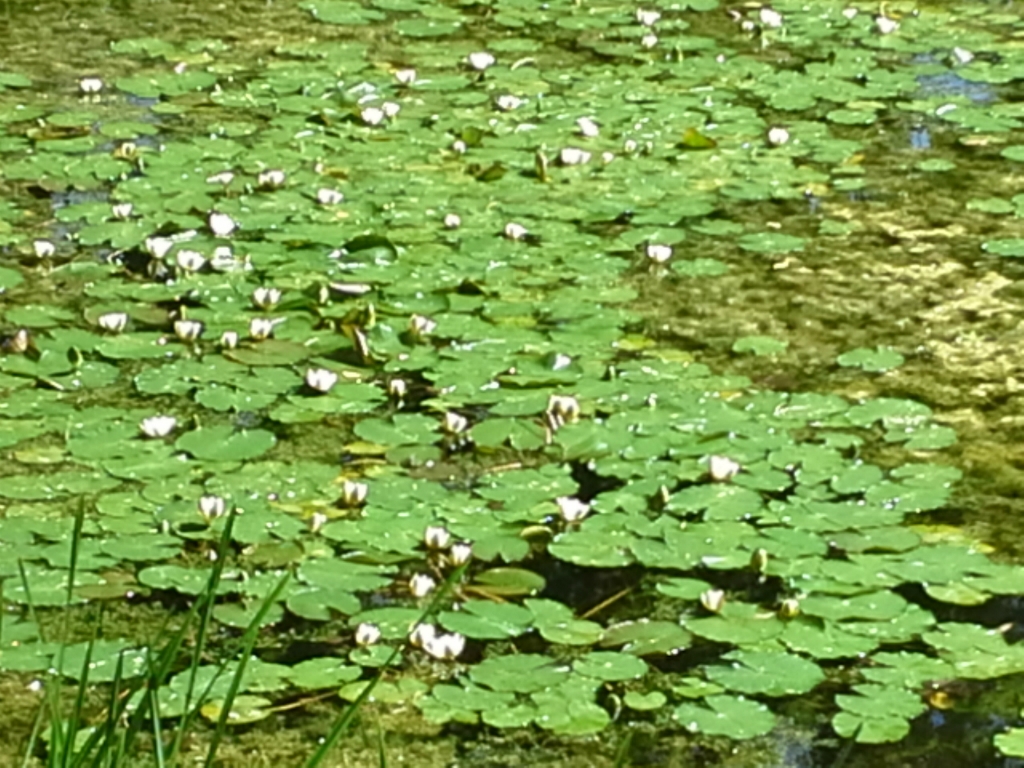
{"points": [[321, 379], [460, 553], [43, 249], [229, 339], [647, 18], [481, 60], [850, 13], [19, 342], [158, 247], [420, 326], [573, 156], [223, 260], [421, 585], [962, 56], [629, 146], [271, 179], [354, 494], [649, 40], [777, 136], [722, 468], [572, 509], [452, 221], [563, 409], [588, 128], [885, 25], [515, 231], [658, 253], [770, 17], [266, 298], [437, 537], [422, 635], [446, 647], [115, 322], [317, 521], [459, 147], [607, 157], [190, 261], [261, 328], [397, 388], [372, 116], [507, 102], [406, 76], [454, 423], [390, 109], [188, 330], [158, 426], [367, 634], [221, 224], [327, 196], [713, 600], [211, 507], [122, 210], [90, 85], [223, 178]]}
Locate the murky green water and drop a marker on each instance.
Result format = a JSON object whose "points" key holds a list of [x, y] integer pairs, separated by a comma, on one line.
{"points": [[789, 243]]}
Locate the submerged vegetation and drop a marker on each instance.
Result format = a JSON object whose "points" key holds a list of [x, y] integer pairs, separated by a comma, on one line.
{"points": [[296, 334]]}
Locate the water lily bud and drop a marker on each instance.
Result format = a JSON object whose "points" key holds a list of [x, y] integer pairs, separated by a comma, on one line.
{"points": [[188, 330], [722, 468], [446, 647], [272, 179], [211, 507], [421, 585], [507, 102], [481, 60], [115, 322], [515, 231], [459, 147], [420, 326], [126, 150], [390, 109], [573, 156], [354, 494], [713, 600], [588, 128], [437, 537], [43, 249], [317, 521], [789, 608], [769, 17], [572, 509], [372, 116], [122, 210], [454, 423], [759, 560], [885, 25], [460, 553], [406, 76], [367, 634], [397, 388], [659, 254], [223, 178], [221, 224], [452, 221], [158, 247], [190, 261], [18, 343], [607, 157], [647, 18], [327, 196], [90, 85], [229, 339], [261, 328], [422, 635], [158, 426], [777, 136], [321, 379], [649, 40], [266, 298]]}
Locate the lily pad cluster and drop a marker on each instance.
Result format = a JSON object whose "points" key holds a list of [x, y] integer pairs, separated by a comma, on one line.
{"points": [[379, 312]]}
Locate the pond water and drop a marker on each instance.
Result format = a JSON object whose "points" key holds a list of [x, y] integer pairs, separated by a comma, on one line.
{"points": [[680, 339]]}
